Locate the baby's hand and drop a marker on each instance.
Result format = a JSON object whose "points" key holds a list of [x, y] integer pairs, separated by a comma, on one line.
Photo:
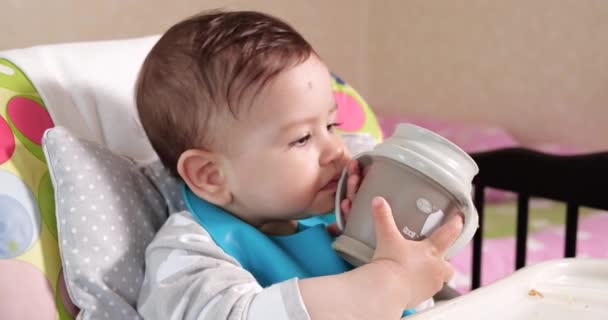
{"points": [[355, 176], [420, 264]]}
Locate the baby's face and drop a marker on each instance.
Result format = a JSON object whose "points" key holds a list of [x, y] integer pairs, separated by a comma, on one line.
{"points": [[285, 157]]}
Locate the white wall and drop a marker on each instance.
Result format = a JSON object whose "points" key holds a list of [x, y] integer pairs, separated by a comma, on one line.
{"points": [[536, 67], [337, 28]]}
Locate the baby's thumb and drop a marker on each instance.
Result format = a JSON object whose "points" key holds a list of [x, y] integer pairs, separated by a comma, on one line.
{"points": [[385, 226]]}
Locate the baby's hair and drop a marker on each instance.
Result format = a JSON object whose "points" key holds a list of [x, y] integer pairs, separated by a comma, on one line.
{"points": [[206, 67]]}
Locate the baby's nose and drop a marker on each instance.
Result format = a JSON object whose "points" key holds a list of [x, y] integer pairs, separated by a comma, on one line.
{"points": [[334, 154]]}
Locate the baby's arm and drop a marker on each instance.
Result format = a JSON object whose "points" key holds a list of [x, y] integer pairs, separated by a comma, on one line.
{"points": [[189, 277], [393, 281]]}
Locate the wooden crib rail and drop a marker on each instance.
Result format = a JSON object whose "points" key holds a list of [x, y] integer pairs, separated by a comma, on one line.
{"points": [[577, 180]]}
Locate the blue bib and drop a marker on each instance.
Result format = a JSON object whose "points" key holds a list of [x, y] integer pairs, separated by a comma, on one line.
{"points": [[271, 259]]}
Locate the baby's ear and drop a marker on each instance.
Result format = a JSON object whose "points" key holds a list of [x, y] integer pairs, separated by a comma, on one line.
{"points": [[202, 171]]}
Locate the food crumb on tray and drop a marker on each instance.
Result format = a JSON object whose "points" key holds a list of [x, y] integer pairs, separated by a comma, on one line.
{"points": [[535, 293]]}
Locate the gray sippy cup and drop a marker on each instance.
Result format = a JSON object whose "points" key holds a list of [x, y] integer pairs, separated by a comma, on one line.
{"points": [[424, 178]]}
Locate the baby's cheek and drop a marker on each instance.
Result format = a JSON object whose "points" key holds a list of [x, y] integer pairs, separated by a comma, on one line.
{"points": [[299, 191]]}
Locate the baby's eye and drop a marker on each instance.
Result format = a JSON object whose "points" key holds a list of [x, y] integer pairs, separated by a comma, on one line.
{"points": [[332, 126], [300, 142]]}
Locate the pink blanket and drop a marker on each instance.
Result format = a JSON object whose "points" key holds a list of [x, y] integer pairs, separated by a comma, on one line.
{"points": [[498, 258]]}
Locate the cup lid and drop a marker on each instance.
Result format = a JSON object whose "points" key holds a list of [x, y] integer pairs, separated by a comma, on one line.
{"points": [[432, 155]]}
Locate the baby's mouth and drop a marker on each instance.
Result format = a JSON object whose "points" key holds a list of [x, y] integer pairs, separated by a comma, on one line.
{"points": [[332, 185]]}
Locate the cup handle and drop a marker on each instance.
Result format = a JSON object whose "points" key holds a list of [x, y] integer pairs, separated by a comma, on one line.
{"points": [[365, 159], [471, 223], [340, 195]]}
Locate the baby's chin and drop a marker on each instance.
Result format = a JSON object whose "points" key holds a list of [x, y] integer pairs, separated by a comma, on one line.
{"points": [[322, 205]]}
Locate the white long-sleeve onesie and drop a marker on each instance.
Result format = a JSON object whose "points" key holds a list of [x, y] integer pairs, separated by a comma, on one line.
{"points": [[188, 276]]}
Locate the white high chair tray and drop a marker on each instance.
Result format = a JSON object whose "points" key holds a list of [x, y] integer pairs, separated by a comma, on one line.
{"points": [[560, 289]]}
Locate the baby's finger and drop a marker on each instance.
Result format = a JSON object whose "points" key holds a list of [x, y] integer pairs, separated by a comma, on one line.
{"points": [[352, 186], [357, 168], [345, 207], [446, 234], [333, 229], [448, 271], [365, 171], [386, 229], [350, 168]]}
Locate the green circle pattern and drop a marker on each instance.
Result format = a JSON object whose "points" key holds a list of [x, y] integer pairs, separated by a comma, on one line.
{"points": [[46, 203]]}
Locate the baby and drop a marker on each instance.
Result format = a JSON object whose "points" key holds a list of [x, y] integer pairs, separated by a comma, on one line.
{"points": [[240, 106]]}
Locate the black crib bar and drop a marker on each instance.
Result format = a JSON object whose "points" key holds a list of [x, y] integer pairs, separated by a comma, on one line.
{"points": [[571, 229], [522, 230], [478, 238]]}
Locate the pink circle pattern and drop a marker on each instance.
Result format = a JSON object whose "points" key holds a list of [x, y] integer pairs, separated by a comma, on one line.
{"points": [[351, 115], [7, 141], [22, 281], [29, 117]]}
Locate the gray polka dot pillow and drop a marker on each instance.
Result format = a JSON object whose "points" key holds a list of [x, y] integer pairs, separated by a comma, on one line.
{"points": [[108, 210]]}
